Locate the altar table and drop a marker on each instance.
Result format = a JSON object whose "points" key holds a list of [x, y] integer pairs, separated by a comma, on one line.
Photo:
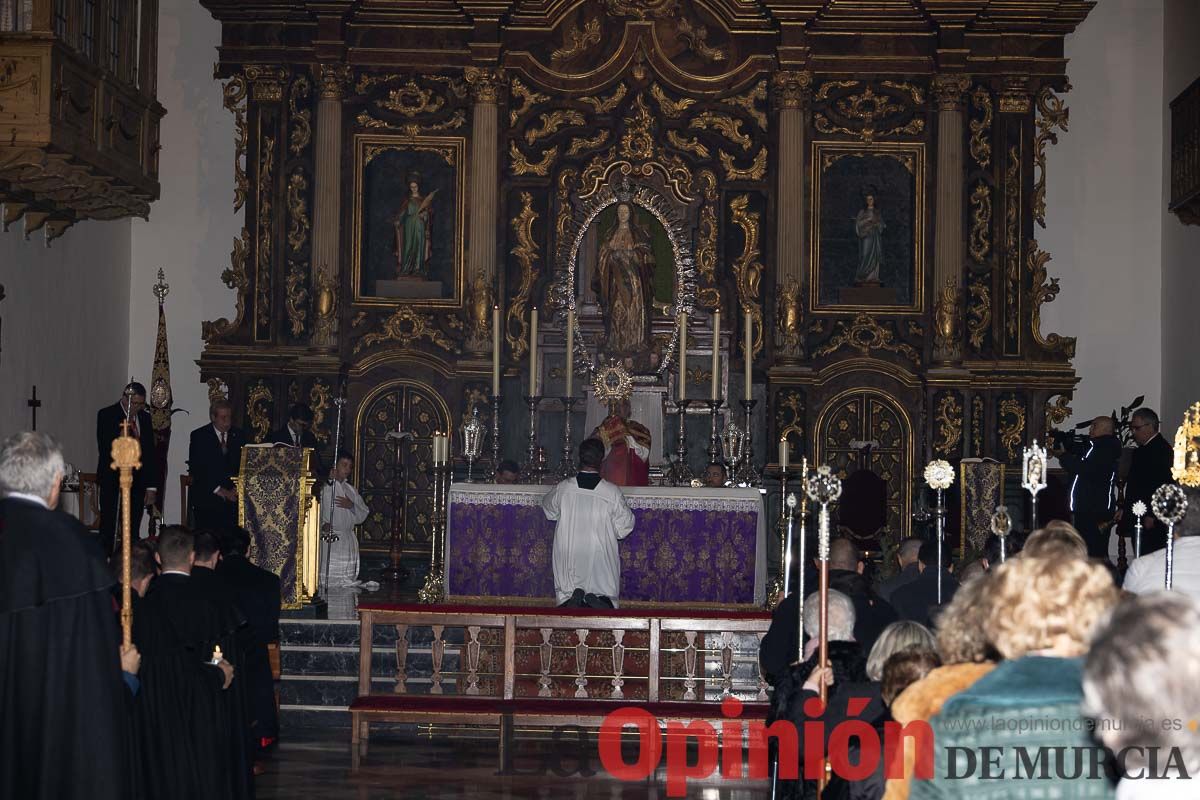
{"points": [[696, 546]]}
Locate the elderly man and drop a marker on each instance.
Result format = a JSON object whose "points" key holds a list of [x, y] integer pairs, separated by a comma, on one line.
{"points": [[64, 722], [1094, 472], [1149, 468], [715, 476], [910, 570], [592, 517], [214, 458], [626, 447], [131, 406], [1148, 573]]}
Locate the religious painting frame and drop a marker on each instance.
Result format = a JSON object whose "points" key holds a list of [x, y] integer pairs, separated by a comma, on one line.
{"points": [[867, 228], [409, 248]]}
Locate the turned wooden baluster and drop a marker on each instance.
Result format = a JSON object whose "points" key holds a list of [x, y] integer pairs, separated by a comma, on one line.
{"points": [[581, 652], [545, 649], [401, 659], [762, 681], [689, 664], [437, 649], [726, 663], [473, 660], [618, 657]]}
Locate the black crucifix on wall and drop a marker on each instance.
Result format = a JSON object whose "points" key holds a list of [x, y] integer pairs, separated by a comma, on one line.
{"points": [[34, 404]]}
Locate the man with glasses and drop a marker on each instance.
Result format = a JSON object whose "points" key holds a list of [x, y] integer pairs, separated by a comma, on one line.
{"points": [[1149, 468], [298, 433]]}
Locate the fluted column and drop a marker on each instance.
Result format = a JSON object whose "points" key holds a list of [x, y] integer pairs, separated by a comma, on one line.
{"points": [[483, 202], [948, 245], [791, 91], [327, 202]]}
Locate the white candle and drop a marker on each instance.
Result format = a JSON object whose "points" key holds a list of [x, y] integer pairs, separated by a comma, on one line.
{"points": [[495, 351], [437, 448], [783, 453], [533, 315], [749, 354], [683, 356], [716, 355], [570, 348]]}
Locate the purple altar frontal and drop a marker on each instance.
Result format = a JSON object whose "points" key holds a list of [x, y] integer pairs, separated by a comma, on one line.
{"points": [[692, 546]]}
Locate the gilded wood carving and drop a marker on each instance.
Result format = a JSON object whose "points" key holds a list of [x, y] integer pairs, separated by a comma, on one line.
{"points": [[747, 269], [948, 418], [525, 251], [1045, 289]]}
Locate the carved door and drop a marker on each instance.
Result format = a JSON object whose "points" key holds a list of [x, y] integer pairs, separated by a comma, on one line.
{"points": [[408, 406], [865, 416]]}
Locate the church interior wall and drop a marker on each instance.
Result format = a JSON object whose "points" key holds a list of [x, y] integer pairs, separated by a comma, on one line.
{"points": [[66, 330], [1103, 178], [1180, 243]]}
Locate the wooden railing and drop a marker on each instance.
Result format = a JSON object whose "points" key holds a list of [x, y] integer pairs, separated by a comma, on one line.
{"points": [[1185, 155]]}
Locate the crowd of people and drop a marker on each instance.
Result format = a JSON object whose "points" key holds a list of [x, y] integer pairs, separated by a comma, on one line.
{"points": [[185, 710]]}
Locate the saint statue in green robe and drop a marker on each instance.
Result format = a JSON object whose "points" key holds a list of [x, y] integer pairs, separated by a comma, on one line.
{"points": [[413, 240]]}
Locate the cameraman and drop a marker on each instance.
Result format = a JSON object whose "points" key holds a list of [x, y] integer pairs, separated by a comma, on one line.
{"points": [[1092, 488], [1149, 468]]}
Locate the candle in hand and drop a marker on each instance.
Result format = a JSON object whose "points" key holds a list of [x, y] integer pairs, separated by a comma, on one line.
{"points": [[716, 355], [783, 453], [748, 352], [495, 351], [533, 319], [570, 348], [683, 356]]}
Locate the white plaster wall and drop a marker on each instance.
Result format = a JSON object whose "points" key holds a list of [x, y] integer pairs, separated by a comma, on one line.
{"points": [[1180, 243], [191, 229], [1104, 186], [65, 329]]}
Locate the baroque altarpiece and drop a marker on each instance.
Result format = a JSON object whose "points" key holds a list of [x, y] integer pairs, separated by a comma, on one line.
{"points": [[862, 181]]}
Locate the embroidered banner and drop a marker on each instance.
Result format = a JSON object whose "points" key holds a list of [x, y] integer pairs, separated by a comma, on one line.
{"points": [[269, 508]]}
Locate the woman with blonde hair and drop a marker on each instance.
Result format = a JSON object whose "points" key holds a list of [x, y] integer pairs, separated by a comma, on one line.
{"points": [[895, 638]]}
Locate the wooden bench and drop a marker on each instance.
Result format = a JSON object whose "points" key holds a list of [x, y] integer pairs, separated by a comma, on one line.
{"points": [[546, 667]]}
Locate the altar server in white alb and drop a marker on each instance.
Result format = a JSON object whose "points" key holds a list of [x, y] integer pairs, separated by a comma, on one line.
{"points": [[592, 516], [341, 510]]}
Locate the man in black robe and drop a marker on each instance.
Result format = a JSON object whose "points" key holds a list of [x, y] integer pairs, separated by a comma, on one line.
{"points": [[256, 593], [64, 730], [108, 427], [182, 708]]}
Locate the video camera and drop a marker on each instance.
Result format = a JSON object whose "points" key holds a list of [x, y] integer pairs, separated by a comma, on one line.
{"points": [[1070, 440]]}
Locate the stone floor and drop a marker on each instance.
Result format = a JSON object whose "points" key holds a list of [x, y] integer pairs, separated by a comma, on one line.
{"points": [[417, 768]]}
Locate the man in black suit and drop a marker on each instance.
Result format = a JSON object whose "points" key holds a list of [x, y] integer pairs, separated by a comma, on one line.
{"points": [[257, 595], [1092, 485], [918, 601], [1149, 468], [108, 428], [298, 433], [214, 457]]}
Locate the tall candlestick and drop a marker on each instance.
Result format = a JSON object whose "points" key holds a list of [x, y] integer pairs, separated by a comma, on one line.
{"points": [[716, 355], [683, 356], [783, 453], [570, 348], [533, 317], [495, 350], [748, 352]]}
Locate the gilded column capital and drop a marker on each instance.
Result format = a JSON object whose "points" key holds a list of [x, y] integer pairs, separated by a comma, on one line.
{"points": [[266, 82], [1015, 97], [950, 90], [486, 84], [791, 89], [334, 78]]}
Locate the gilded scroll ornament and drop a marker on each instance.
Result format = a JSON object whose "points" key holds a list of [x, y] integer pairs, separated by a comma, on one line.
{"points": [[642, 9], [977, 425], [325, 304], [297, 211], [516, 332], [582, 144], [792, 89], [1012, 426], [1051, 115], [606, 104], [727, 126], [864, 334], [528, 99], [979, 313], [914, 92], [258, 410], [296, 293], [748, 102], [696, 37], [706, 242], [946, 315], [1057, 412], [981, 222], [234, 93], [412, 100], [217, 390], [319, 402], [1045, 289], [486, 85], [980, 146], [949, 419], [479, 315], [551, 123], [867, 110], [523, 166], [638, 139], [755, 172], [671, 109], [690, 145], [828, 87], [789, 319], [237, 278], [262, 261], [301, 117], [747, 269], [578, 40], [1012, 228], [414, 129], [406, 327], [789, 414]]}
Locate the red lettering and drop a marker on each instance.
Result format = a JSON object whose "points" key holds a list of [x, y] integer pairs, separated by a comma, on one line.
{"points": [[839, 750], [894, 746], [787, 740], [678, 769], [731, 738], [649, 744]]}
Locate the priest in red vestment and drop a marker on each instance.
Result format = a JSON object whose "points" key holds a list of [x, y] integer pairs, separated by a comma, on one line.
{"points": [[626, 447]]}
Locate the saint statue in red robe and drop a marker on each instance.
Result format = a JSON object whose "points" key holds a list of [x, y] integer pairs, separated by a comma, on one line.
{"points": [[626, 447]]}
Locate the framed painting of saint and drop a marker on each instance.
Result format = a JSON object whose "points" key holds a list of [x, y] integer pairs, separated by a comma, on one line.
{"points": [[408, 220], [868, 223]]}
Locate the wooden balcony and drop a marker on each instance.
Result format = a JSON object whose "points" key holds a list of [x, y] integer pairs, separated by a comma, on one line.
{"points": [[1185, 155], [78, 113]]}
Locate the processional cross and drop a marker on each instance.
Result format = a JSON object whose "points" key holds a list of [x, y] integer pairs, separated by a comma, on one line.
{"points": [[34, 404]]}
